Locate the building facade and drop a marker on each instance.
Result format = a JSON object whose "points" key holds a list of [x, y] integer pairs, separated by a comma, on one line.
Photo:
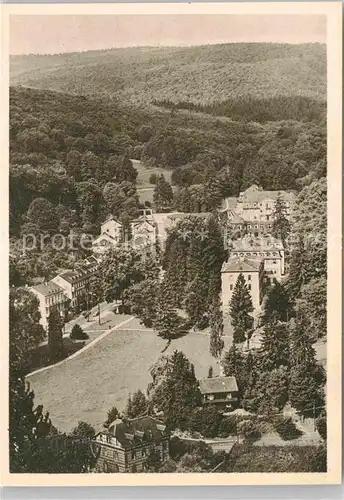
{"points": [[126, 445], [76, 282], [219, 391], [256, 204], [253, 272], [268, 249], [50, 296]]}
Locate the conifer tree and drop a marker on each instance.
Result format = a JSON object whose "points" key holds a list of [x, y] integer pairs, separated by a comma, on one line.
{"points": [[178, 391], [195, 301], [163, 194], [234, 365], [216, 329], [274, 350], [240, 309], [167, 322], [297, 272], [112, 414], [306, 392], [138, 405], [55, 337], [280, 225], [277, 303]]}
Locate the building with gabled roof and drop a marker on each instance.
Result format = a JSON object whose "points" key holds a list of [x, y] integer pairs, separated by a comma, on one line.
{"points": [[50, 296], [266, 248], [256, 204], [253, 272], [126, 445], [221, 391]]}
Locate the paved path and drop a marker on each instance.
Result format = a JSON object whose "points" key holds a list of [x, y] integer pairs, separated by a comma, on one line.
{"points": [[80, 351]]}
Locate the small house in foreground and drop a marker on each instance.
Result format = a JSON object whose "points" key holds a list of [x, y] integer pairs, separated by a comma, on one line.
{"points": [[222, 391], [126, 445]]}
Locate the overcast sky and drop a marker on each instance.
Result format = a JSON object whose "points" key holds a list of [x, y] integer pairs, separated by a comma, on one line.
{"points": [[61, 33]]}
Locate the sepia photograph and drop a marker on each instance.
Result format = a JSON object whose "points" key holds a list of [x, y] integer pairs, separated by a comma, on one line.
{"points": [[174, 243]]}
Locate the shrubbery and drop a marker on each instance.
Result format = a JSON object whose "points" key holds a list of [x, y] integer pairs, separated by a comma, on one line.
{"points": [[286, 428], [321, 425], [78, 333]]}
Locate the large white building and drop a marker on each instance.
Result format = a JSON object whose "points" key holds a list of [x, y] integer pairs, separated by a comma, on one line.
{"points": [[76, 282], [252, 270], [255, 204], [50, 296], [268, 249]]}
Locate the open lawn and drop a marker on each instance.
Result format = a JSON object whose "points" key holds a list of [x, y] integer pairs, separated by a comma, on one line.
{"points": [[145, 189], [144, 173], [84, 388]]}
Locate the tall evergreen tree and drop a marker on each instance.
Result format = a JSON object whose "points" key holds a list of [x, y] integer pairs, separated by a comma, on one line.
{"points": [[234, 366], [112, 414], [240, 309], [277, 303], [195, 301], [167, 322], [138, 405], [55, 336], [297, 272], [306, 392], [280, 225], [163, 194], [178, 390], [216, 329], [274, 350]]}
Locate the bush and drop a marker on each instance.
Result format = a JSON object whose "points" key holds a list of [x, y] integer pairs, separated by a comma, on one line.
{"points": [[152, 179], [249, 429], [321, 425], [228, 426], [206, 421], [78, 333], [287, 429]]}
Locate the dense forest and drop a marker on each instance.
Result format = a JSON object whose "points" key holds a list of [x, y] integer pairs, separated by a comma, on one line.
{"points": [[202, 75], [179, 111], [83, 146]]}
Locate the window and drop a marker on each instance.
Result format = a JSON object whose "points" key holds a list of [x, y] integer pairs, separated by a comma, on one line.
{"points": [[268, 218], [231, 287], [133, 455], [249, 277], [249, 287], [275, 261], [105, 466]]}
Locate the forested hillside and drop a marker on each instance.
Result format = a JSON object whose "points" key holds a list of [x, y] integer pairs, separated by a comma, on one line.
{"points": [[200, 75]]}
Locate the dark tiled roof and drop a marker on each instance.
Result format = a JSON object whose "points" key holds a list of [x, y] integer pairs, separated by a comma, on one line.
{"points": [[136, 431], [47, 288], [236, 265], [218, 384]]}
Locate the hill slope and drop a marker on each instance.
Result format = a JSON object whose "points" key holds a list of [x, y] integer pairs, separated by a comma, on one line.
{"points": [[203, 74]]}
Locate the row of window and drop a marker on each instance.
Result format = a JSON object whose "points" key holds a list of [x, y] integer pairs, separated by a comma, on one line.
{"points": [[255, 254], [55, 299]]}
